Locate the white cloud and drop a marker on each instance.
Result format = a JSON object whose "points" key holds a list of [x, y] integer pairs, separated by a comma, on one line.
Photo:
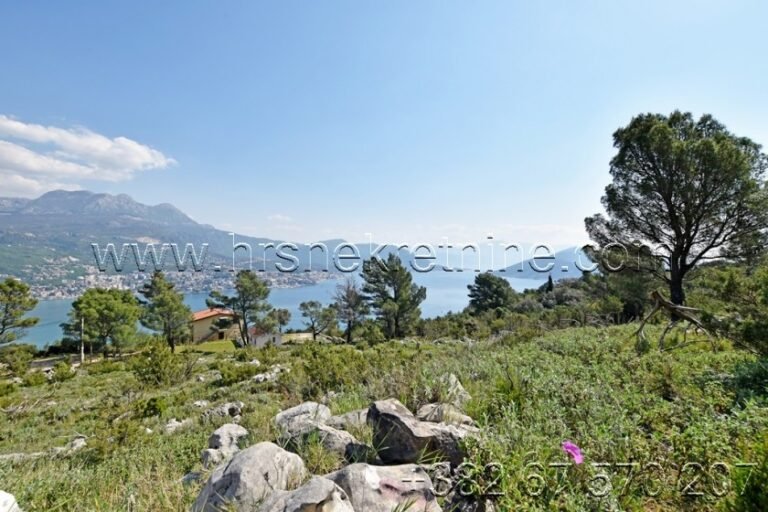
{"points": [[279, 218], [36, 158]]}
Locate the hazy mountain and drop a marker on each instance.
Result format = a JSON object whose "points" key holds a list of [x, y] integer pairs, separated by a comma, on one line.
{"points": [[64, 224]]}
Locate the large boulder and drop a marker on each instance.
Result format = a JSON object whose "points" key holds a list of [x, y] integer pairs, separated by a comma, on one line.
{"points": [[8, 503], [385, 488], [400, 437], [317, 495], [296, 417], [299, 424], [222, 444], [250, 478]]}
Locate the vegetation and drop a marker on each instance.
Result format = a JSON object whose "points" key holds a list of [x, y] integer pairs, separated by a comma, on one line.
{"points": [[686, 191], [105, 317], [249, 304], [165, 311], [350, 305], [392, 295], [15, 302], [318, 318], [490, 292]]}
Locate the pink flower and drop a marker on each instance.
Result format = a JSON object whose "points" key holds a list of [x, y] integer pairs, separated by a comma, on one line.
{"points": [[574, 451]]}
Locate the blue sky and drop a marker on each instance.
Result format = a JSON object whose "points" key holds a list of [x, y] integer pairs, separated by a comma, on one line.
{"points": [[413, 121]]}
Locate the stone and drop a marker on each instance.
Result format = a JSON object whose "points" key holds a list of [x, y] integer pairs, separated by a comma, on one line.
{"points": [[385, 488], [226, 410], [455, 394], [222, 444], [443, 413], [292, 418], [352, 419], [8, 503], [201, 404], [271, 375], [249, 478], [317, 495], [400, 437], [174, 425]]}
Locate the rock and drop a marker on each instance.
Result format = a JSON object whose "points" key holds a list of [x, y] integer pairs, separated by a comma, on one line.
{"points": [[222, 444], [17, 380], [271, 375], [254, 362], [455, 394], [148, 430], [329, 396], [227, 410], [400, 437], [201, 404], [249, 478], [385, 488], [317, 495], [174, 425], [339, 442], [353, 419], [292, 418], [443, 413], [8, 503], [76, 444]]}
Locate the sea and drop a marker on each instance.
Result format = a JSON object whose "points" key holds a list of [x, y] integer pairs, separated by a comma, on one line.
{"points": [[446, 292]]}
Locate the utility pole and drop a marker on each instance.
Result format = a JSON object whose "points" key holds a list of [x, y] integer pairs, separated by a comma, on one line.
{"points": [[82, 341]]}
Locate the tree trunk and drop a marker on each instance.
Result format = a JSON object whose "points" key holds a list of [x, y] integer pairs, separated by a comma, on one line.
{"points": [[676, 292]]}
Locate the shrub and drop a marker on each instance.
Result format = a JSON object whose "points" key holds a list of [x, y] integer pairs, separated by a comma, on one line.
{"points": [[106, 366], [6, 388], [750, 380], [34, 379], [62, 371], [752, 487], [232, 373], [17, 358], [158, 366], [155, 406]]}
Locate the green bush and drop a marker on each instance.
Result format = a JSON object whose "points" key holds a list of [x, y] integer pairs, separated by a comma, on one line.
{"points": [[105, 366], [750, 380], [232, 373], [32, 379], [155, 406], [17, 358], [158, 366], [6, 388], [62, 371], [751, 488]]}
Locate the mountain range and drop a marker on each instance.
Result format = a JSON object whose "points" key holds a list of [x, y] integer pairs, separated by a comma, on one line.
{"points": [[60, 226]]}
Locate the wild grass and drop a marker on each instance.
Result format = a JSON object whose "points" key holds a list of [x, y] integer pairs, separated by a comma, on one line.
{"points": [[585, 385]]}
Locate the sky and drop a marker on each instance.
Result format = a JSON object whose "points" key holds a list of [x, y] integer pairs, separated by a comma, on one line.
{"points": [[416, 122]]}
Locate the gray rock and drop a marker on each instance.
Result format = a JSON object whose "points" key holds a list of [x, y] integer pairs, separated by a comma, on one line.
{"points": [[352, 419], [222, 444], [455, 394], [400, 437], [317, 495], [249, 478], [271, 375], [294, 417], [8, 503], [226, 410], [443, 413], [201, 404], [384, 488], [174, 425]]}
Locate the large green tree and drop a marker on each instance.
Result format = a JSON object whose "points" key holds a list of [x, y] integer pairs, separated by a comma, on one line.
{"points": [[686, 190], [106, 316], [249, 304], [281, 317], [392, 294], [165, 311], [489, 292], [318, 317], [15, 302]]}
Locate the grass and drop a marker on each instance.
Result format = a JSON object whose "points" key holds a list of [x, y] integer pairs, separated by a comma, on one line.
{"points": [[585, 385], [209, 347]]}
